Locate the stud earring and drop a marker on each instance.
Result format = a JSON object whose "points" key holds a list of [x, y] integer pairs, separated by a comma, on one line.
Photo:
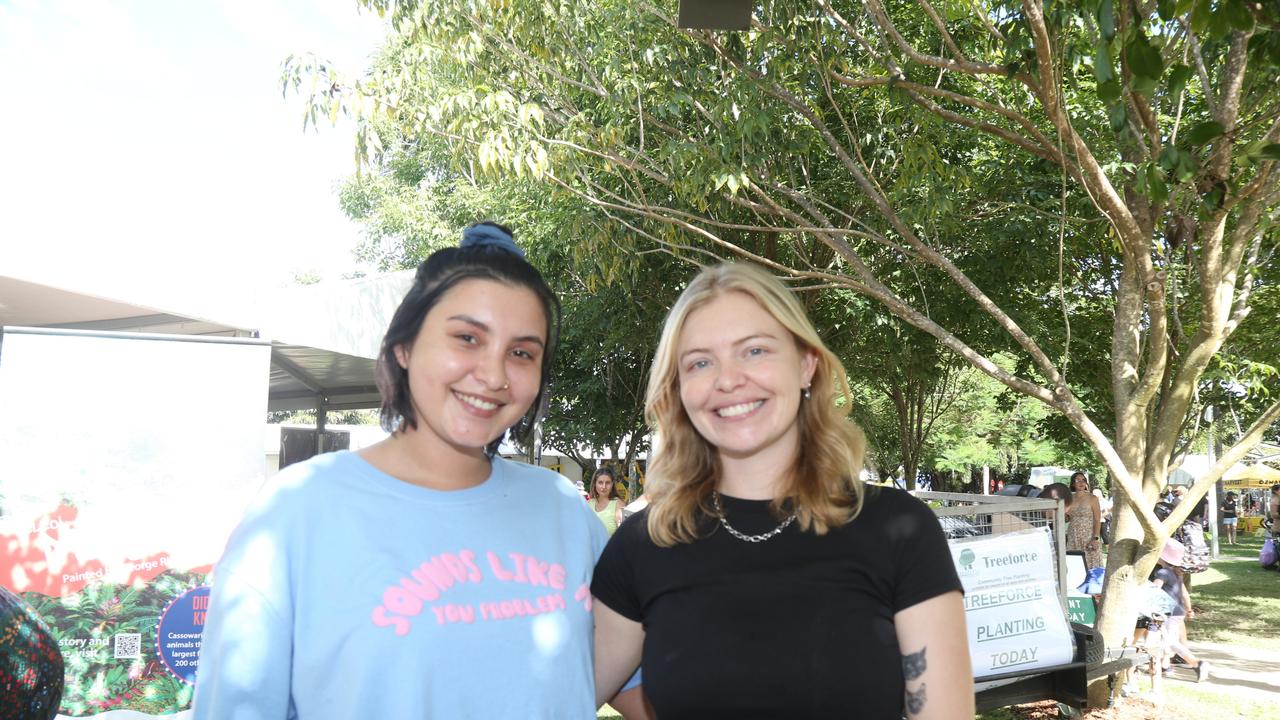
{"points": [[806, 392]]}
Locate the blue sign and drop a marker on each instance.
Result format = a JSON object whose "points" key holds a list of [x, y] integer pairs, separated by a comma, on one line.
{"points": [[179, 632]]}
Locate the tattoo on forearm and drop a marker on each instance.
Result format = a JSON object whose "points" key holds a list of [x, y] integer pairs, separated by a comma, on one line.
{"points": [[914, 665], [915, 700]]}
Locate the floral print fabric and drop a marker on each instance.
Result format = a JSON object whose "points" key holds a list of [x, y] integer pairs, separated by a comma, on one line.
{"points": [[31, 670]]}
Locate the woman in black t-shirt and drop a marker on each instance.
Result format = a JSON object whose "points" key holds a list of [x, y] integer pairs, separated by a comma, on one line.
{"points": [[1229, 519], [764, 579]]}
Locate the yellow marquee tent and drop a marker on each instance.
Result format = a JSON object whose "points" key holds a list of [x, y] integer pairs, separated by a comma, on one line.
{"points": [[1245, 477]]}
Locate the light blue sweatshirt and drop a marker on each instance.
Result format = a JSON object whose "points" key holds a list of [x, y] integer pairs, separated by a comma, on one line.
{"points": [[345, 593]]}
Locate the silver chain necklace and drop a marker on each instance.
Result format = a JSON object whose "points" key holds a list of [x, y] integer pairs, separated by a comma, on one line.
{"points": [[715, 505]]}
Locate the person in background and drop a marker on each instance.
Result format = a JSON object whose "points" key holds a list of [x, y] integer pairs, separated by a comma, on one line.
{"points": [[1056, 491], [765, 579], [1106, 504], [411, 578], [1273, 511], [1168, 575], [1229, 512], [1084, 521], [31, 668], [604, 499]]}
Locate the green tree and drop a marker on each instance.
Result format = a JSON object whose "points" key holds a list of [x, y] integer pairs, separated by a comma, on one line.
{"points": [[857, 145]]}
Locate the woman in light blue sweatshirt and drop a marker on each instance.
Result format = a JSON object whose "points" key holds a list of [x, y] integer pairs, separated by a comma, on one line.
{"points": [[423, 577]]}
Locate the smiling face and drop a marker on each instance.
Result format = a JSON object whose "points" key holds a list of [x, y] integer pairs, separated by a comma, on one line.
{"points": [[475, 366], [741, 375], [1079, 484]]}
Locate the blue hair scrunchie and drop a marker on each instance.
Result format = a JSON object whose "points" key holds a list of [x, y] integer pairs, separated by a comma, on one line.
{"points": [[479, 235]]}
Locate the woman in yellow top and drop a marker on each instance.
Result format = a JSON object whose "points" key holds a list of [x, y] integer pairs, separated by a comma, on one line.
{"points": [[604, 499]]}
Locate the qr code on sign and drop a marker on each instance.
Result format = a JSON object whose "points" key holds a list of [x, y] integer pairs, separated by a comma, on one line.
{"points": [[128, 645]]}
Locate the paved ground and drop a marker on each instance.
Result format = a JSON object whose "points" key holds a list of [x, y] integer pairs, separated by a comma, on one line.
{"points": [[1240, 671]]}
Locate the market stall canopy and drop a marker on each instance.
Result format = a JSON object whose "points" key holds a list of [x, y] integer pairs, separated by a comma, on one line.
{"points": [[324, 337], [1179, 476], [1243, 477], [1264, 452]]}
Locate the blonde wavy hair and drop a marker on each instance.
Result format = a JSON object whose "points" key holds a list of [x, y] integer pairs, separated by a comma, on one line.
{"points": [[823, 487]]}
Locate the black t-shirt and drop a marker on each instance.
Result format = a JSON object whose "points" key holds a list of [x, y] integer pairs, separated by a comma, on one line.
{"points": [[798, 626], [1229, 508]]}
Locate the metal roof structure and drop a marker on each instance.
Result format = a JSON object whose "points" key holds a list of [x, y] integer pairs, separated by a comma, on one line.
{"points": [[324, 337]]}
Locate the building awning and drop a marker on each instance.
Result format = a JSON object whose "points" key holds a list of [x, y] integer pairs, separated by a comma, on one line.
{"points": [[324, 337]]}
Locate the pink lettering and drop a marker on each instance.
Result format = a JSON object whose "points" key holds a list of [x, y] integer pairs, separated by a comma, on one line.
{"points": [[583, 595], [473, 572], [454, 566], [496, 565], [555, 576], [382, 619], [401, 601], [436, 570], [537, 570], [518, 561], [455, 614], [423, 588]]}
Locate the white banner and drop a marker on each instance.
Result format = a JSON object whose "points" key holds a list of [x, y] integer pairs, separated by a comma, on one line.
{"points": [[125, 461], [1016, 627], [992, 560], [1013, 615]]}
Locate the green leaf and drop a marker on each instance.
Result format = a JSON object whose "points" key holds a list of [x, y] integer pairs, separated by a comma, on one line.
{"points": [[1166, 9], [1109, 91], [1184, 166], [1201, 14], [1237, 15], [1118, 117], [1178, 76], [1212, 200], [1107, 19], [1157, 189], [1204, 132], [1179, 164], [1144, 58], [1270, 151], [1102, 65], [1143, 84]]}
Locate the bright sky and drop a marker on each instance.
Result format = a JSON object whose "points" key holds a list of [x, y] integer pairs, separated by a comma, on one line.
{"points": [[148, 153]]}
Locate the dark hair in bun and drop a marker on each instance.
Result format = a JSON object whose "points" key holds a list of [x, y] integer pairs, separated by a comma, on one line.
{"points": [[487, 252]]}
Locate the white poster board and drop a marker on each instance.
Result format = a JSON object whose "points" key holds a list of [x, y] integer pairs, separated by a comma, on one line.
{"points": [[1013, 615], [125, 461]]}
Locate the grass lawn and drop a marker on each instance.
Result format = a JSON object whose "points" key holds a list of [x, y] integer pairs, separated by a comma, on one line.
{"points": [[1238, 601]]}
